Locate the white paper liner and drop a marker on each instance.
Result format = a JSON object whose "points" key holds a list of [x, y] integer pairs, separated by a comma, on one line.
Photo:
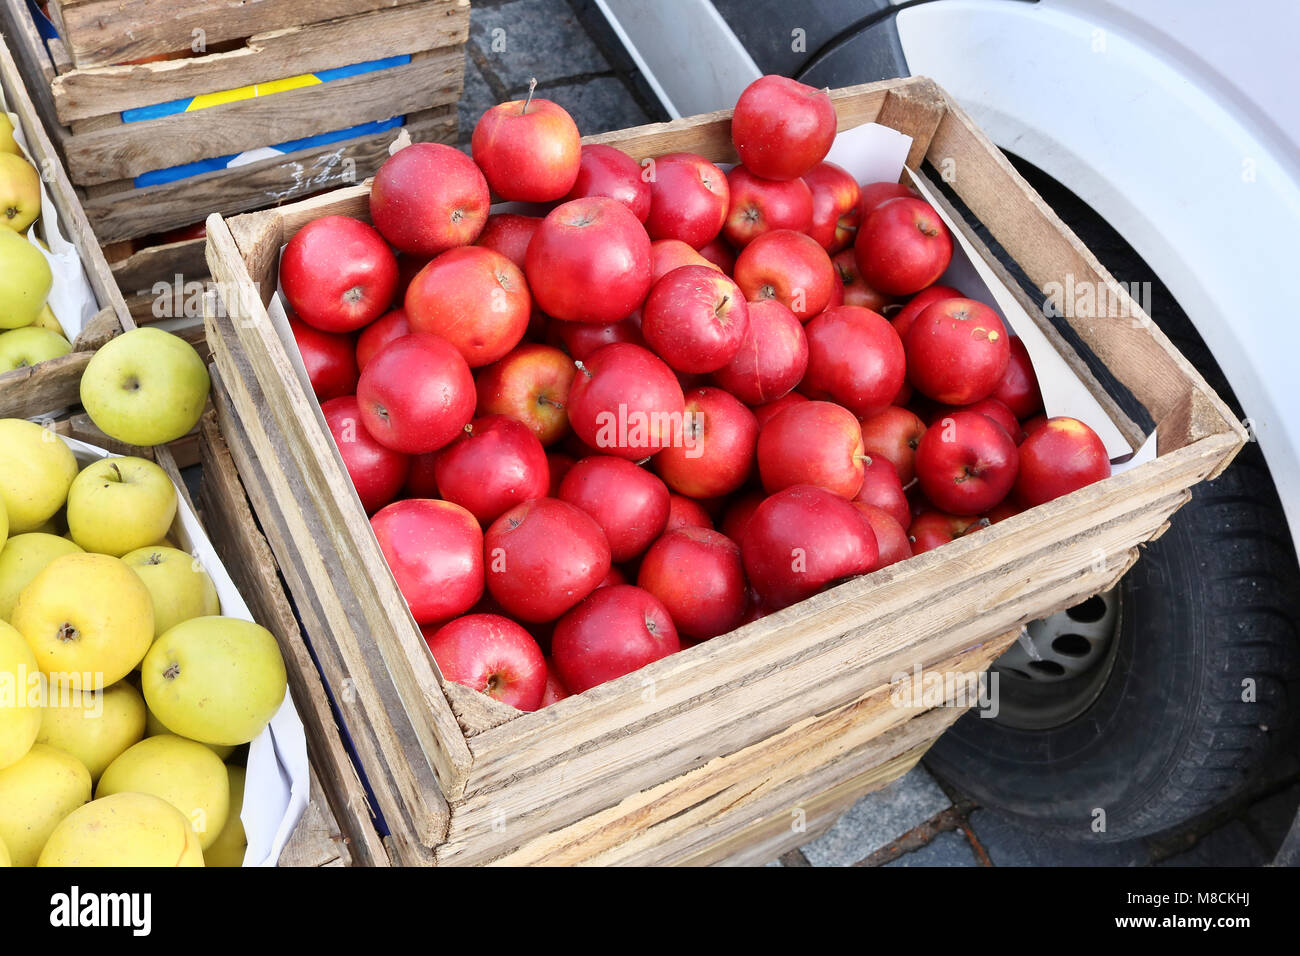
{"points": [[277, 785]]}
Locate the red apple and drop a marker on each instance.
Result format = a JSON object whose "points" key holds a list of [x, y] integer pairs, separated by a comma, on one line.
{"points": [[966, 463], [789, 267], [559, 464], [529, 150], [628, 502], [580, 339], [494, 465], [686, 512], [957, 351], [740, 509], [803, 539], [1018, 387], [416, 394], [669, 254], [531, 385], [905, 316], [772, 358], [607, 171], [854, 359], [625, 401], [543, 557], [698, 576], [492, 655], [338, 274], [509, 234], [435, 551], [1060, 456], [695, 319], [421, 480], [835, 206], [769, 410], [853, 288], [881, 488], [555, 689], [816, 443], [717, 454], [891, 538], [428, 198], [330, 359], [873, 194], [930, 529], [392, 325], [902, 247], [762, 205], [474, 298], [893, 434], [719, 252], [782, 128], [985, 406], [613, 632], [689, 198], [589, 261], [407, 269], [377, 473]]}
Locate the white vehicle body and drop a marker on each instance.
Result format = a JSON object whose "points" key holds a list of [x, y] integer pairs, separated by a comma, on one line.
{"points": [[1176, 120]]}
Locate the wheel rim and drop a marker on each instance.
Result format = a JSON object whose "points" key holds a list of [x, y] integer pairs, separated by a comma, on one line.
{"points": [[1060, 664]]}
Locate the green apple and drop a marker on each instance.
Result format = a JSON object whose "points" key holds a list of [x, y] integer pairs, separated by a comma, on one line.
{"points": [[20, 713], [47, 320], [186, 774], [7, 142], [153, 727], [231, 843], [20, 192], [22, 558], [25, 280], [86, 616], [35, 794], [217, 680], [20, 348], [36, 470], [179, 586], [145, 387], [124, 830], [94, 726], [117, 505]]}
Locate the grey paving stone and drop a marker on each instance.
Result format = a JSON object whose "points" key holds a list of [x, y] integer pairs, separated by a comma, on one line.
{"points": [[877, 819], [1012, 844], [597, 105], [540, 38], [477, 99], [1230, 845], [950, 848], [1272, 816]]}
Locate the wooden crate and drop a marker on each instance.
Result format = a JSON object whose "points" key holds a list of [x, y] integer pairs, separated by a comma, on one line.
{"points": [[55, 384], [710, 754], [81, 97]]}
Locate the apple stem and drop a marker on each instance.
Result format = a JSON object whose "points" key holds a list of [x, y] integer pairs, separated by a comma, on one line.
{"points": [[172, 672], [532, 85], [116, 470], [582, 368], [865, 459], [469, 428]]}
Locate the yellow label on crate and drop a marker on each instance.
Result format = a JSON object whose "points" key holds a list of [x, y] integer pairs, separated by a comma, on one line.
{"points": [[249, 92]]}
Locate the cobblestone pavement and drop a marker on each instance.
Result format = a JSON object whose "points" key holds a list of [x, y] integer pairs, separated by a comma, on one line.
{"points": [[914, 821]]}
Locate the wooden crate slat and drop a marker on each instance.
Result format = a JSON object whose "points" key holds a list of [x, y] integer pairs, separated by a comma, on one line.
{"points": [[293, 51], [101, 32], [130, 149]]}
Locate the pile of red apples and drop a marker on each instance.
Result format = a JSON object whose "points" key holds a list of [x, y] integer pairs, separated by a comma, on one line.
{"points": [[675, 400]]}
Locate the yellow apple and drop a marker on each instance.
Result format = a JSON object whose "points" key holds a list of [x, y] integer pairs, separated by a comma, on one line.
{"points": [[20, 192], [20, 348], [35, 794], [153, 727], [22, 558], [36, 470], [47, 320], [145, 387], [7, 142], [218, 680], [25, 280], [186, 774], [87, 617], [124, 830], [117, 505], [96, 727], [231, 843], [20, 711], [4, 526], [5, 861], [179, 586]]}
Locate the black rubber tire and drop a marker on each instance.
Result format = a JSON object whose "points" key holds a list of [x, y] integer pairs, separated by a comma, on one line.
{"points": [[1210, 610]]}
